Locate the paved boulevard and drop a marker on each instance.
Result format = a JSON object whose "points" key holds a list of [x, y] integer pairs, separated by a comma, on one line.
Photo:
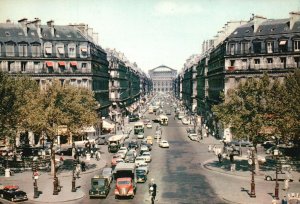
{"points": [[177, 171]]}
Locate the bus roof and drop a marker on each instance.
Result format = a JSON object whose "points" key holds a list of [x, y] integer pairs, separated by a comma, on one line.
{"points": [[115, 138], [139, 124]]}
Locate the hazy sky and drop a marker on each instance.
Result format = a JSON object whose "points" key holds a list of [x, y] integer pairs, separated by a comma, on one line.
{"points": [[149, 32]]}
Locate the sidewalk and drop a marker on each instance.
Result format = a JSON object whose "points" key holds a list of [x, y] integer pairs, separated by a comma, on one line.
{"points": [[238, 181], [45, 183]]}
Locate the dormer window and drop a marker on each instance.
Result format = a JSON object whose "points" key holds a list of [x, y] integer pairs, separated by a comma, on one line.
{"points": [[7, 33], [270, 47], [10, 50], [297, 45], [22, 50], [60, 51]]}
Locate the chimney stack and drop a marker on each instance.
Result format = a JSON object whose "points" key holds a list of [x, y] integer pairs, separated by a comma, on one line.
{"points": [[23, 23], [294, 16], [37, 24], [258, 20], [50, 24]]}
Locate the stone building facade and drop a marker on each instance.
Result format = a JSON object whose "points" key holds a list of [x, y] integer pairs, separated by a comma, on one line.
{"points": [[162, 78]]}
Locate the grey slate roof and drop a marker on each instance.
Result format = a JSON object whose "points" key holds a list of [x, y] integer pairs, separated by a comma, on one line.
{"points": [[268, 28], [15, 33]]}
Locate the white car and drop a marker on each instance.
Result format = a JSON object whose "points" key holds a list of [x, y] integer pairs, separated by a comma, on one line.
{"points": [[164, 143], [147, 155], [193, 137], [139, 160], [145, 166], [122, 153], [149, 125], [140, 136]]}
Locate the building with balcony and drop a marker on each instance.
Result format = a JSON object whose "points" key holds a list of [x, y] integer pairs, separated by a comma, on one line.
{"points": [[128, 85], [162, 78], [251, 49], [69, 53]]}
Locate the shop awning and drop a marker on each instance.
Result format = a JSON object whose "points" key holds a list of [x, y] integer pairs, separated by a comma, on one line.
{"points": [[282, 42], [49, 64], [60, 50], [48, 50], [74, 64], [108, 124], [89, 129], [62, 64]]}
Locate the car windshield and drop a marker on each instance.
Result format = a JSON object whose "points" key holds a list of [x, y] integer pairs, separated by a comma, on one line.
{"points": [[99, 182], [140, 171], [123, 182]]}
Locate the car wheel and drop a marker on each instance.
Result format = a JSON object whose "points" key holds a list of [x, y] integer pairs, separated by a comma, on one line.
{"points": [[268, 178], [132, 196], [116, 197]]}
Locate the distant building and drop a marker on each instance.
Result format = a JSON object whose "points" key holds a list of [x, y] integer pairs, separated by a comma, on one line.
{"points": [[162, 78]]}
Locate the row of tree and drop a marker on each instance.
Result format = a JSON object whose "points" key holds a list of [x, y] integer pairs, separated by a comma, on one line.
{"points": [[263, 109], [24, 106]]}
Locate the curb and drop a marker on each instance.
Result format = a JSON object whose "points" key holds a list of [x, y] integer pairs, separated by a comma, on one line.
{"points": [[205, 166]]}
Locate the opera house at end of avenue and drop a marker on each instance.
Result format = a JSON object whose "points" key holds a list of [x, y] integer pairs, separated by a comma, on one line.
{"points": [[162, 78]]}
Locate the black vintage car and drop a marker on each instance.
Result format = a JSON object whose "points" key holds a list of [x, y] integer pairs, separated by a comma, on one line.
{"points": [[13, 193], [133, 145]]}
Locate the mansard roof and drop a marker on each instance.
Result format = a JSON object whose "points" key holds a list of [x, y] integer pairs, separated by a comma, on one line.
{"points": [[271, 27]]}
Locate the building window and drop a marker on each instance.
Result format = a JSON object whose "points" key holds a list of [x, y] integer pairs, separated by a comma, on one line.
{"points": [[83, 65], [257, 47], [245, 48], [297, 59], [270, 47], [23, 66], [36, 67], [60, 51], [256, 61], [10, 50], [283, 61], [270, 60], [232, 62], [231, 49], [297, 45], [83, 51], [283, 46], [22, 50], [35, 50], [48, 50], [10, 66], [71, 51]]}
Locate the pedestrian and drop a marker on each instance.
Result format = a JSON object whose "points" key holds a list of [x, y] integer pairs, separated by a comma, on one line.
{"points": [[220, 157], [284, 200], [231, 157], [286, 184], [209, 148]]}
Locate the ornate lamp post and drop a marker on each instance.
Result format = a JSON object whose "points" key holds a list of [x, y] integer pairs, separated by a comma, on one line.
{"points": [[276, 153], [251, 162]]}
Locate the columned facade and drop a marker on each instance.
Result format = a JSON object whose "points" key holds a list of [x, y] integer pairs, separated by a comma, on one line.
{"points": [[162, 78]]}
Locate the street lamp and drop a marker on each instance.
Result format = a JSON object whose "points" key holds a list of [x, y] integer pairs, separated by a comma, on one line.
{"points": [[251, 162], [74, 179], [276, 153]]}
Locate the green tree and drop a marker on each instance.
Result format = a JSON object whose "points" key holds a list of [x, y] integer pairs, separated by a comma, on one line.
{"points": [[15, 94], [244, 108], [57, 106]]}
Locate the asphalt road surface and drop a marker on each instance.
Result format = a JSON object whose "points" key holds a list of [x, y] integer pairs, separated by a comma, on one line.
{"points": [[176, 170]]}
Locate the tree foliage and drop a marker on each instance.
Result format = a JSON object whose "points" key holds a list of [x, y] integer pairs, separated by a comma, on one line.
{"points": [[58, 106], [262, 107], [15, 93]]}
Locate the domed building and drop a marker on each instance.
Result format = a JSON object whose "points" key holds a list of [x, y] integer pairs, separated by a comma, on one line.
{"points": [[162, 78]]}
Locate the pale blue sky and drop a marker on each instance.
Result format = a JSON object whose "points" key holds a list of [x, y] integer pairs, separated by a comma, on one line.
{"points": [[149, 32]]}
